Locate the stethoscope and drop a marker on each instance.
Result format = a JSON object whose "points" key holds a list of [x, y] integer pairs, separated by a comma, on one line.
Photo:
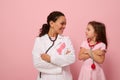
{"points": [[53, 41], [93, 66]]}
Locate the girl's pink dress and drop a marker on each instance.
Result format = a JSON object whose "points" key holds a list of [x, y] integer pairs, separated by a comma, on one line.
{"points": [[87, 73]]}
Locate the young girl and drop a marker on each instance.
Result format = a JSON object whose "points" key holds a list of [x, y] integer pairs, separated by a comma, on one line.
{"points": [[92, 52]]}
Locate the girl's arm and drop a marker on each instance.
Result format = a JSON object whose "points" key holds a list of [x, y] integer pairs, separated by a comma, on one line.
{"points": [[99, 55], [83, 54]]}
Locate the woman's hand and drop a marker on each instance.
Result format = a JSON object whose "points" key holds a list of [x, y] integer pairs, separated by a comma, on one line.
{"points": [[68, 51], [45, 57]]}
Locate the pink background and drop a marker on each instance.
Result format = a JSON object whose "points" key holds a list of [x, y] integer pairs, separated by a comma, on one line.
{"points": [[20, 21]]}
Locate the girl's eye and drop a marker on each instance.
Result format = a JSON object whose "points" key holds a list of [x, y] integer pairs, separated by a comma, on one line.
{"points": [[88, 29]]}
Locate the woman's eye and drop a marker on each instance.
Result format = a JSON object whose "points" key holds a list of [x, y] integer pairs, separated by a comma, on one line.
{"points": [[63, 23]]}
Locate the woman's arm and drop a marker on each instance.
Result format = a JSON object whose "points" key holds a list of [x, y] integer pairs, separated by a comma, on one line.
{"points": [[38, 60], [66, 58]]}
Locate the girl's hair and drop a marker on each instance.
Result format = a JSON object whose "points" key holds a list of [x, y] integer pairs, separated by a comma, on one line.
{"points": [[53, 16], [100, 30]]}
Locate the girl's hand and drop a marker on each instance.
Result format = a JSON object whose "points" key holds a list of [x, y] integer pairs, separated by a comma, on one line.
{"points": [[99, 52], [45, 57], [87, 51], [99, 55], [83, 54]]}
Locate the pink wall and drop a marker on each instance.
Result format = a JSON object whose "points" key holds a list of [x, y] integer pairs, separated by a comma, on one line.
{"points": [[20, 21]]}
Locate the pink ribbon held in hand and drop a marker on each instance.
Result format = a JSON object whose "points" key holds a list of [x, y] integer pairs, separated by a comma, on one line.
{"points": [[62, 46]]}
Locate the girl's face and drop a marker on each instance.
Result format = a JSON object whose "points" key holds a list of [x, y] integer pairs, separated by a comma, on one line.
{"points": [[90, 32], [59, 25]]}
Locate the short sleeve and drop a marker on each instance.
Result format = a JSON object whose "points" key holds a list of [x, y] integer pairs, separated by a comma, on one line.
{"points": [[103, 46], [83, 44]]}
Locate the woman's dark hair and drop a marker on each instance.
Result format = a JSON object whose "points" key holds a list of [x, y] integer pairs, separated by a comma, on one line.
{"points": [[53, 16], [100, 30]]}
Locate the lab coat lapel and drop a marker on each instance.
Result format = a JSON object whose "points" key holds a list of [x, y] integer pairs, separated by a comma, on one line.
{"points": [[59, 40]]}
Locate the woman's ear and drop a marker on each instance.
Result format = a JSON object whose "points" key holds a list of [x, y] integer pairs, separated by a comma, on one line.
{"points": [[51, 23]]}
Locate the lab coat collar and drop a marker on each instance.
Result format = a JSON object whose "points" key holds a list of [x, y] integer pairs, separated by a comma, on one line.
{"points": [[59, 36], [58, 40]]}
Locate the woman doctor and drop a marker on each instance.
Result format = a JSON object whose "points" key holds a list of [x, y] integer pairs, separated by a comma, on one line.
{"points": [[53, 52]]}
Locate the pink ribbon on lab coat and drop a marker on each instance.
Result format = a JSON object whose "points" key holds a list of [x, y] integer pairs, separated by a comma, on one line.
{"points": [[62, 46]]}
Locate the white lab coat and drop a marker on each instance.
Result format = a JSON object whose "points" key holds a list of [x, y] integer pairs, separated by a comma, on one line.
{"points": [[58, 68]]}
